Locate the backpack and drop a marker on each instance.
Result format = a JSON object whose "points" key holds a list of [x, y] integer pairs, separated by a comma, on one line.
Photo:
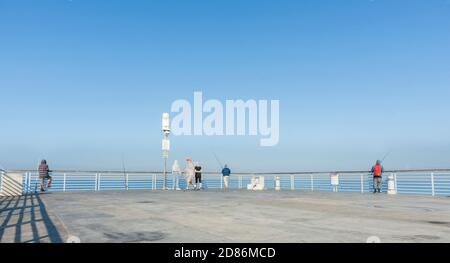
{"points": [[377, 170]]}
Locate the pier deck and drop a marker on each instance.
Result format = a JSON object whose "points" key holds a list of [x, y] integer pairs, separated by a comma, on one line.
{"points": [[236, 216]]}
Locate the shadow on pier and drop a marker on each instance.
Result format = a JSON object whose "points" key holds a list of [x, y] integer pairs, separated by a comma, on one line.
{"points": [[25, 219]]}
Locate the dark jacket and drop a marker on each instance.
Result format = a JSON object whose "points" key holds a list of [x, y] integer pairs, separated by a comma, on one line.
{"points": [[226, 171], [198, 170], [43, 169]]}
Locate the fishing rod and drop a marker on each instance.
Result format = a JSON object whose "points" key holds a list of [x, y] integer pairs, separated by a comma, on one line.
{"points": [[217, 159], [385, 156]]}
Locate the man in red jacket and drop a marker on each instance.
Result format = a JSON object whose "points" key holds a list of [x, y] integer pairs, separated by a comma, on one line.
{"points": [[377, 171]]}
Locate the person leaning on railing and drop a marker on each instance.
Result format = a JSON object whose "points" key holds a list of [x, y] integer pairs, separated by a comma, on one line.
{"points": [[198, 176], [377, 171], [44, 173], [226, 172]]}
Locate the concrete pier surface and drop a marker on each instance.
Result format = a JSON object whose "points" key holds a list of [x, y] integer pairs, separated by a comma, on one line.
{"points": [[26, 219], [235, 216]]}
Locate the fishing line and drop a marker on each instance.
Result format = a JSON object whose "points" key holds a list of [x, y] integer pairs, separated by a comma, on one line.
{"points": [[217, 159]]}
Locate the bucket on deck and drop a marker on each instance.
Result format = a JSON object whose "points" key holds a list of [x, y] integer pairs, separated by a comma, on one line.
{"points": [[256, 183], [277, 183], [391, 185]]}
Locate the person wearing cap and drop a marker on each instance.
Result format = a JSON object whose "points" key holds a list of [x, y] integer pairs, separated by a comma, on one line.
{"points": [[44, 174], [377, 171]]}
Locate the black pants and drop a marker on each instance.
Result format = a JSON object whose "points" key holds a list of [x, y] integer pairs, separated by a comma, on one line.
{"points": [[198, 178]]}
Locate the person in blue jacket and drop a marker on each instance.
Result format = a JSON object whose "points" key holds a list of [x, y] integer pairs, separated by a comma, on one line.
{"points": [[226, 172]]}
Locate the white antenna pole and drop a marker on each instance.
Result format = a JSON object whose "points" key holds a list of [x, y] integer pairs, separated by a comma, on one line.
{"points": [[165, 144]]}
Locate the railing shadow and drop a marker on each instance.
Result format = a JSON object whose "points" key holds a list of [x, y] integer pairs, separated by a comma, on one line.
{"points": [[24, 219]]}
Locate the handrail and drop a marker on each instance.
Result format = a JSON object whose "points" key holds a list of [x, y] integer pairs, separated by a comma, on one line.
{"points": [[243, 173], [418, 181]]}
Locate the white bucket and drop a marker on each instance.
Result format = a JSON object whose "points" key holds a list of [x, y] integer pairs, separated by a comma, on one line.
{"points": [[391, 185], [277, 183]]}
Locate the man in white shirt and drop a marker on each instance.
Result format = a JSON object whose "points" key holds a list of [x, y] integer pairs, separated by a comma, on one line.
{"points": [[189, 173]]}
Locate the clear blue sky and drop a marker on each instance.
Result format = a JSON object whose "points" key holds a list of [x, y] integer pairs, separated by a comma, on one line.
{"points": [[83, 82]]}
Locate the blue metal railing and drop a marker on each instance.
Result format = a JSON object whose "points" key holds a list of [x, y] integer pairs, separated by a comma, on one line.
{"points": [[425, 182]]}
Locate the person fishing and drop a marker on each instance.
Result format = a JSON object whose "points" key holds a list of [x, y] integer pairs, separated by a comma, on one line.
{"points": [[198, 176], [377, 171], [226, 172], [44, 174], [176, 170]]}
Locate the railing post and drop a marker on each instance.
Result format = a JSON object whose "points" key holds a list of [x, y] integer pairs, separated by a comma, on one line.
{"points": [[29, 183], [126, 181], [362, 183], [292, 182], [99, 181], [274, 181], [240, 181], [1, 181], [25, 183], [64, 183], [221, 182], [154, 182], [312, 183], [395, 182], [432, 185], [34, 181]]}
